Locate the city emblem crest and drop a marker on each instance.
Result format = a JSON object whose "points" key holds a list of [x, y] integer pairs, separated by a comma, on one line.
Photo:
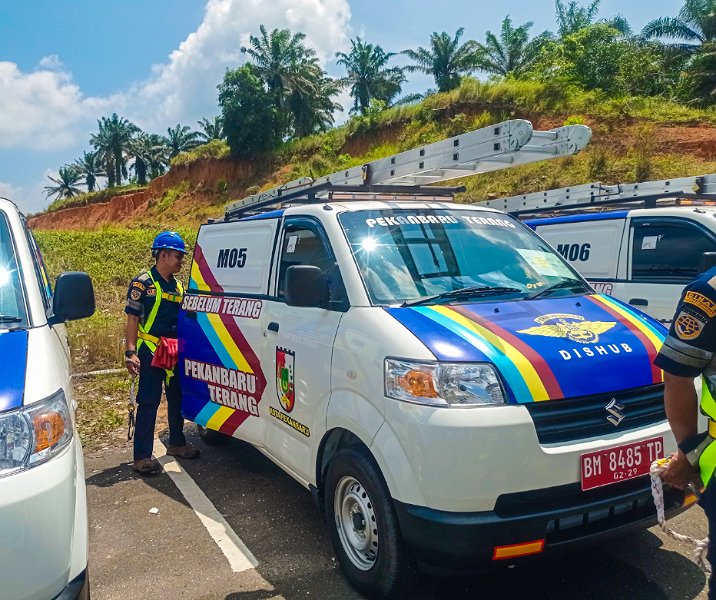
{"points": [[572, 327], [285, 377]]}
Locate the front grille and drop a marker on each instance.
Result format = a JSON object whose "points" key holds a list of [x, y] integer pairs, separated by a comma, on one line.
{"points": [[584, 417]]}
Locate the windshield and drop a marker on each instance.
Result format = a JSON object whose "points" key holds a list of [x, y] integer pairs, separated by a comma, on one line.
{"points": [[404, 255], [12, 304]]}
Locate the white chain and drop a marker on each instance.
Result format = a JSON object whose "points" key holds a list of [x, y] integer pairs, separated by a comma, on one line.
{"points": [[701, 547]]}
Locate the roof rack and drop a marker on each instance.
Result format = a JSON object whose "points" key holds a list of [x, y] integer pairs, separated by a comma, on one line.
{"points": [[692, 190], [507, 144]]}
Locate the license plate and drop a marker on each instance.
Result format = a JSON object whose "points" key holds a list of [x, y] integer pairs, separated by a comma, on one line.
{"points": [[620, 463]]}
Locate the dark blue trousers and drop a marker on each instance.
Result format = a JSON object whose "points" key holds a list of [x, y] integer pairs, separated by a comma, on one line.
{"points": [[149, 394], [708, 503]]}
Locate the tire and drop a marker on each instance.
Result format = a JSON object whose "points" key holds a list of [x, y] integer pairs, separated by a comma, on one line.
{"points": [[374, 560], [212, 437]]}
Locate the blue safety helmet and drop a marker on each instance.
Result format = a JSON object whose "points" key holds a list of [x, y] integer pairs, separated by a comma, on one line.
{"points": [[169, 240]]}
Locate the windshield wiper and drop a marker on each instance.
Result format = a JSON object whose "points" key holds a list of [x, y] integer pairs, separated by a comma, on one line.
{"points": [[462, 292], [10, 319], [560, 285]]}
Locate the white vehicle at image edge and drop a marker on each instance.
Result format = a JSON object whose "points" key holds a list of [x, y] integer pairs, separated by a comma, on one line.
{"points": [[43, 505], [451, 390], [639, 242]]}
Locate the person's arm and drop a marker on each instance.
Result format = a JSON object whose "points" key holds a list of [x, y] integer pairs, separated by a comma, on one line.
{"points": [[681, 406], [130, 335]]}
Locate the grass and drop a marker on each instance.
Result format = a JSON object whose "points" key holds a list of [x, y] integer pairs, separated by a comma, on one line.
{"points": [[112, 257], [101, 407]]}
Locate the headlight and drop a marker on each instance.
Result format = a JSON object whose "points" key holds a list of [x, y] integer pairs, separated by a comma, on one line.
{"points": [[443, 384], [34, 434]]}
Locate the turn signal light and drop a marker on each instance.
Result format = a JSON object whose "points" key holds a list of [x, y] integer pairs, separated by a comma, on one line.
{"points": [[418, 383], [515, 550], [49, 428]]}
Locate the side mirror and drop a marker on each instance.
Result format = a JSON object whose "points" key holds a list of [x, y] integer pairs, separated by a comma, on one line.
{"points": [[708, 261], [73, 298], [306, 286]]}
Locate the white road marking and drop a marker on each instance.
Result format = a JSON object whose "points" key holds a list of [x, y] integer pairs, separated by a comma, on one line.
{"points": [[236, 552]]}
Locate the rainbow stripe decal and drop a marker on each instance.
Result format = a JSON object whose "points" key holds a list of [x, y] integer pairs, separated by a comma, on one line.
{"points": [[221, 377], [545, 349]]}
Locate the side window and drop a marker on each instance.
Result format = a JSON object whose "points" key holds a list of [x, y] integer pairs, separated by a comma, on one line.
{"points": [[40, 271], [668, 250], [302, 245]]}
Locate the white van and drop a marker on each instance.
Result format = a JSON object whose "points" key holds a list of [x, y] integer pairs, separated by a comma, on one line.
{"points": [[449, 389], [644, 257], [641, 242], [43, 506]]}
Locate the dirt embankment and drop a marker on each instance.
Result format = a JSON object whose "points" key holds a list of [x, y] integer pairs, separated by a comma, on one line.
{"points": [[213, 181], [207, 177]]}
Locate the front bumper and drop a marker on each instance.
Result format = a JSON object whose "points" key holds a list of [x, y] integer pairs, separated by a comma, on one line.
{"points": [[77, 589], [561, 516], [43, 527]]}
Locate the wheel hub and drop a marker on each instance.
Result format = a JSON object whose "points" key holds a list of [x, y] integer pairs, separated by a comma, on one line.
{"points": [[356, 523]]}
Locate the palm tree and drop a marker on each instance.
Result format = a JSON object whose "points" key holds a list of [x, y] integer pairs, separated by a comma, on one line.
{"points": [[369, 77], [281, 59], [211, 130], [312, 107], [573, 17], [695, 23], [90, 167], [513, 53], [65, 183], [446, 60], [181, 139], [149, 153], [111, 143]]}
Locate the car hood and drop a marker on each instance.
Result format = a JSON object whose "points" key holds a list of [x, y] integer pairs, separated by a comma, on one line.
{"points": [[545, 349], [13, 350]]}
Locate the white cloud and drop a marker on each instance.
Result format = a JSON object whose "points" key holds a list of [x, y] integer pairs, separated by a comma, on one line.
{"points": [[184, 89], [42, 110], [51, 63]]}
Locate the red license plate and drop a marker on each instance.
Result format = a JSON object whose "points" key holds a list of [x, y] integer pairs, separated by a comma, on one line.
{"points": [[620, 463]]}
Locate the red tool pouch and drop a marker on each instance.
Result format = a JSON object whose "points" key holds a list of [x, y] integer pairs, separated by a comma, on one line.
{"points": [[167, 354]]}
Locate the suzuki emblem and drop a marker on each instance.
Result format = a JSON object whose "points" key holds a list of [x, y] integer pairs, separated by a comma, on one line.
{"points": [[615, 410]]}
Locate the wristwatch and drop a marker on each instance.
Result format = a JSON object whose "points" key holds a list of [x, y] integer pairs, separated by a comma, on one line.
{"points": [[693, 447], [130, 353]]}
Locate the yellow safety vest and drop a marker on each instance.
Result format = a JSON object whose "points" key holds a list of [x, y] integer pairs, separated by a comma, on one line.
{"points": [[707, 460], [143, 335]]}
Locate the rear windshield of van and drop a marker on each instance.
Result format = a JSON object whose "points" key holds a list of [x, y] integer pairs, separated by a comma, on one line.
{"points": [[406, 255], [12, 303]]}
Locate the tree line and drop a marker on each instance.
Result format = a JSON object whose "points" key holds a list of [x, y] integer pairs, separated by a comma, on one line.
{"points": [[282, 93]]}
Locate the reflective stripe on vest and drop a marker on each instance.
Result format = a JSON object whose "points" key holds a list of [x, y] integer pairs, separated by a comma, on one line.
{"points": [[143, 335], [707, 460]]}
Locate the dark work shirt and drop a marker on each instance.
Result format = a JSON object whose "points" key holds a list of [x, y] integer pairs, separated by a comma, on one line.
{"points": [[141, 296], [689, 348]]}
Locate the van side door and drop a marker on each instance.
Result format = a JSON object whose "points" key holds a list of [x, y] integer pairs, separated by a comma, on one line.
{"points": [[299, 347], [223, 378], [664, 255]]}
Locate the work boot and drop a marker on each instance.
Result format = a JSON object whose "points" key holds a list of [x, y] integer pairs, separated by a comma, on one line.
{"points": [[147, 466], [186, 451]]}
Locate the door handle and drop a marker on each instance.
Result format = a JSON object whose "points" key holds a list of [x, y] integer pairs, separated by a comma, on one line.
{"points": [[639, 302], [273, 326]]}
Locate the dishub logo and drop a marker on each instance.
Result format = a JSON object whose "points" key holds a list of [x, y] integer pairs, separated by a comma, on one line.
{"points": [[575, 329], [616, 412], [285, 377]]}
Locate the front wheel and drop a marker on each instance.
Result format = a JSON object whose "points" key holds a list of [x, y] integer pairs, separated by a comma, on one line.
{"points": [[363, 527]]}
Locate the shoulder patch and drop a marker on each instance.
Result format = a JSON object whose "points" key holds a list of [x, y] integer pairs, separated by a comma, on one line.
{"points": [[688, 327], [139, 285], [135, 294], [704, 304]]}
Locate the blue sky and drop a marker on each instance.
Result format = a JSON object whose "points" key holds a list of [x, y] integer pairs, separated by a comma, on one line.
{"points": [[157, 62]]}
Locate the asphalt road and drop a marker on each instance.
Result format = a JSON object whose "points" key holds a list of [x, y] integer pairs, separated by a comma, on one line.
{"points": [[136, 554]]}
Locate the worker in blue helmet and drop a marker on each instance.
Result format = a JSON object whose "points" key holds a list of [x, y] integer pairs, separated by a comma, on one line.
{"points": [[153, 301]]}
